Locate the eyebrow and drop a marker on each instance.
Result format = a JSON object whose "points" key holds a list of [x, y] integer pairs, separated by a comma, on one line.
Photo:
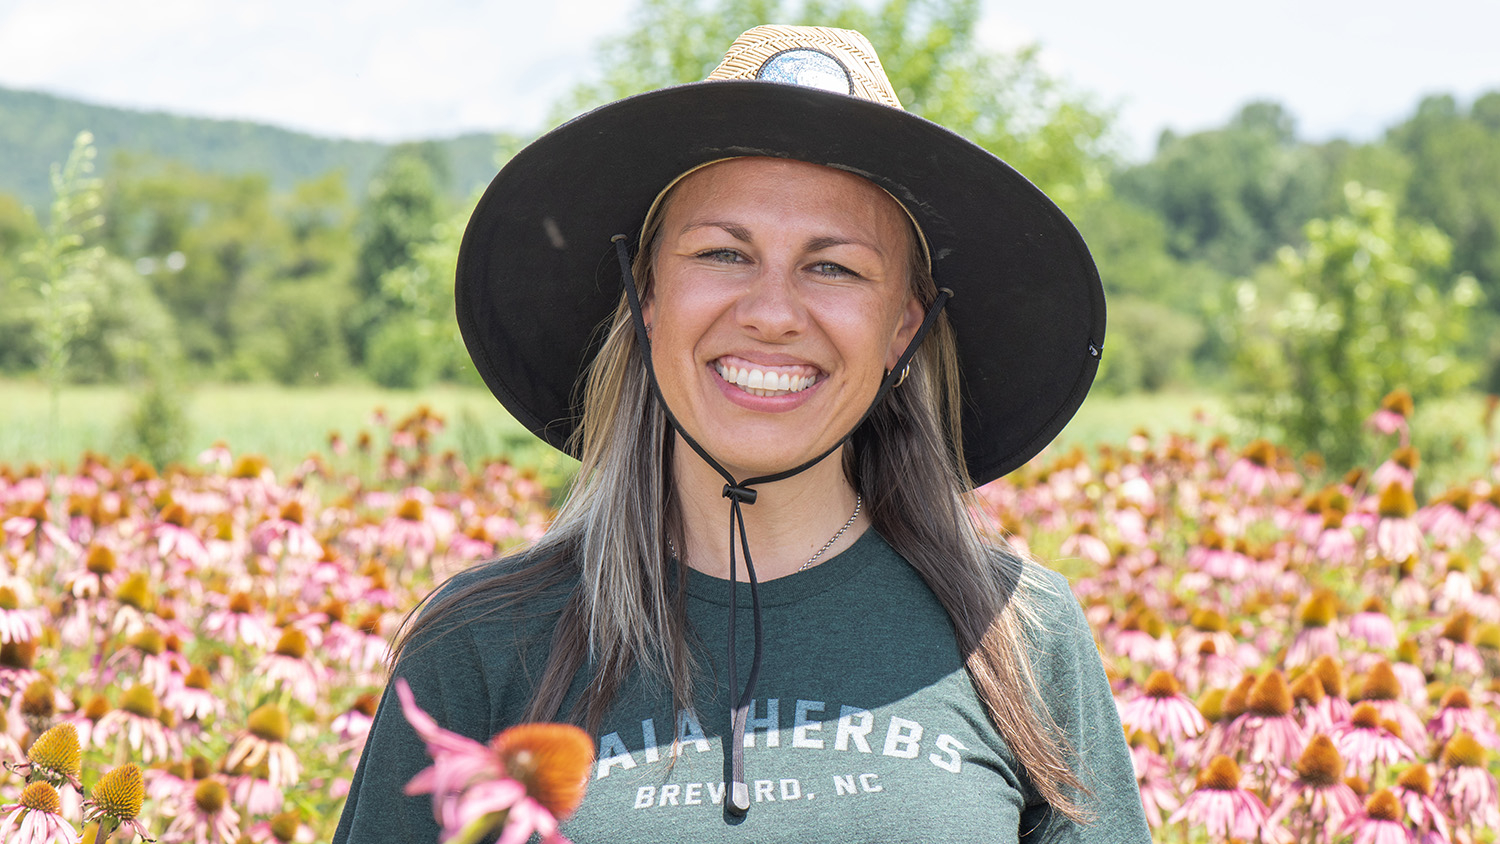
{"points": [[742, 234]]}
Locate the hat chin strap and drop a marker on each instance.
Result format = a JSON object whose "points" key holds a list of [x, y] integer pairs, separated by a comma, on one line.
{"points": [[740, 493]]}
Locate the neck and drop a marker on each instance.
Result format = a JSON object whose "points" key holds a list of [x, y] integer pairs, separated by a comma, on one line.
{"points": [[790, 520]]}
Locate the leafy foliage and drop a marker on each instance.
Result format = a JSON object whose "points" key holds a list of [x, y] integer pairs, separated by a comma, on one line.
{"points": [[1364, 308]]}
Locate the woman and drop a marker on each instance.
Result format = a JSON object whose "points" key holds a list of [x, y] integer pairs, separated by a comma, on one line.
{"points": [[782, 359]]}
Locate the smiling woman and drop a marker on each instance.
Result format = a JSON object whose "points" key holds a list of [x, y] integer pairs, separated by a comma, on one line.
{"points": [[779, 356]]}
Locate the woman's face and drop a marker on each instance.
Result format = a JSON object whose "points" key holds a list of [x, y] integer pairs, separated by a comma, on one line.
{"points": [[781, 296]]}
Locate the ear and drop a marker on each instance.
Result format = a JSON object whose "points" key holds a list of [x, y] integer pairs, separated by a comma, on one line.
{"points": [[911, 320], [648, 307]]}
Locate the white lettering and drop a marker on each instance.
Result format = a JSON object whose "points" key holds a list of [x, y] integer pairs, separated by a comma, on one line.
{"points": [[645, 797], [648, 732], [843, 785], [951, 746], [715, 795], [867, 782], [612, 752], [694, 794], [791, 789], [771, 724], [901, 739], [669, 794], [848, 729], [763, 791], [689, 731], [802, 725]]}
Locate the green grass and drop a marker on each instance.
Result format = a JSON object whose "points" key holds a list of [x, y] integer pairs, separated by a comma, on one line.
{"points": [[285, 424], [282, 423]]}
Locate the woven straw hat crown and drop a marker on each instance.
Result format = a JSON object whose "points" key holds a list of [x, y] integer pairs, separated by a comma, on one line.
{"points": [[839, 60]]}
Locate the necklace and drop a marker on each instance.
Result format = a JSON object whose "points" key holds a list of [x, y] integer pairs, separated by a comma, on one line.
{"points": [[858, 503]]}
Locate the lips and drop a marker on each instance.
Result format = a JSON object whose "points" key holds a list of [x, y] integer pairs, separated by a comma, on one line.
{"points": [[766, 381]]}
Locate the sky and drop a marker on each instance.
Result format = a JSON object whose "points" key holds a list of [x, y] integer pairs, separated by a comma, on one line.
{"points": [[408, 69]]}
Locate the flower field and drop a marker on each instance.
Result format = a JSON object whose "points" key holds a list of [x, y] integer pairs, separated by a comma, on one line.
{"points": [[1295, 659]]}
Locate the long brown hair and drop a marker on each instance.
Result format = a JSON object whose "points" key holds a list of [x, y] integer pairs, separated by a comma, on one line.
{"points": [[627, 611]]}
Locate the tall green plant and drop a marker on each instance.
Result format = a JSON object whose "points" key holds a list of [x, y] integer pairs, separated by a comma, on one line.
{"points": [[1365, 307], [63, 267]]}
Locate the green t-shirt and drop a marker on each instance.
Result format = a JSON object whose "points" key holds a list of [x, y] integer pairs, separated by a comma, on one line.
{"points": [[865, 725]]}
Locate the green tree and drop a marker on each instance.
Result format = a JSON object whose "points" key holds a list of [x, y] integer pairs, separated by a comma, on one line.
{"points": [[402, 206], [1366, 306], [1232, 196], [63, 265]]}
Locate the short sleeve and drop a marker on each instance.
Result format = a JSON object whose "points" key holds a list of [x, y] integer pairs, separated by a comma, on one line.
{"points": [[1077, 693], [447, 680]]}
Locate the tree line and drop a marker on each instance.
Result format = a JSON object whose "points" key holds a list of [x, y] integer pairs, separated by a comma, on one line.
{"points": [[1242, 256]]}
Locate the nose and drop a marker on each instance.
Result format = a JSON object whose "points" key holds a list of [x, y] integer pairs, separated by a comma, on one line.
{"points": [[771, 306]]}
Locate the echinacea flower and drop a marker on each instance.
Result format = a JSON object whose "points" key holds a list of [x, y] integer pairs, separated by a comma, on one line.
{"points": [[1397, 535], [1395, 409], [1220, 806], [204, 816], [115, 802], [1456, 711], [1266, 732], [1466, 788], [1414, 791], [1319, 789], [1380, 823], [264, 739], [35, 818], [138, 721], [17, 624], [54, 757], [1163, 710], [527, 778], [1365, 741]]}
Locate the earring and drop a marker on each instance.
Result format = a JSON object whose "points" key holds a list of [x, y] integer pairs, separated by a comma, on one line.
{"points": [[905, 371]]}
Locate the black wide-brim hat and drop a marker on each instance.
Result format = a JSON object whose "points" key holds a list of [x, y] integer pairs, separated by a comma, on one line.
{"points": [[537, 277]]}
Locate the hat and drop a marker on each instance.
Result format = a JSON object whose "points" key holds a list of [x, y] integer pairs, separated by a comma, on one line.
{"points": [[537, 275]]}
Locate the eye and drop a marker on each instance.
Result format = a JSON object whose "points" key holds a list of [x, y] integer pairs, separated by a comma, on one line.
{"points": [[832, 270], [721, 256]]}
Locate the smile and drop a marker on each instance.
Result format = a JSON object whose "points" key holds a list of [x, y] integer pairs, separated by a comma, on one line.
{"points": [[766, 382]]}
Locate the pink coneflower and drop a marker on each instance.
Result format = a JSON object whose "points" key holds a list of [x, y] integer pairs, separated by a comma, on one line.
{"points": [[1446, 520], [1220, 807], [138, 722], [409, 530], [289, 666], [1397, 535], [1455, 645], [532, 773], [1373, 625], [1207, 668], [1266, 732], [1383, 689], [1413, 790], [1395, 409], [1380, 823], [1318, 790], [1457, 712], [205, 815], [1466, 788], [99, 575], [1365, 741], [354, 724], [284, 828], [192, 698], [239, 621], [1083, 543], [264, 739], [1399, 469], [1153, 775], [115, 802], [1317, 636], [286, 535], [1162, 710], [1255, 471], [35, 818], [175, 540], [17, 624], [1141, 638], [1335, 543]]}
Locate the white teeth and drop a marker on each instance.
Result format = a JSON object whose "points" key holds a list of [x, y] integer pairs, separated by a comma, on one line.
{"points": [[759, 383]]}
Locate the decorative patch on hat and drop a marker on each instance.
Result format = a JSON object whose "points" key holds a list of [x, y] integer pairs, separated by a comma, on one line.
{"points": [[808, 68]]}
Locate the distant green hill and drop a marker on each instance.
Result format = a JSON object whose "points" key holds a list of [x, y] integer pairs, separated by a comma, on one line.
{"points": [[38, 129]]}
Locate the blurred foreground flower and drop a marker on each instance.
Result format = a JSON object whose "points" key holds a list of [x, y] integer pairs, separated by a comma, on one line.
{"points": [[34, 819], [527, 779]]}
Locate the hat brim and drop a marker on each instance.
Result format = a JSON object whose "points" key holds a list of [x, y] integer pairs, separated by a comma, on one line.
{"points": [[537, 275]]}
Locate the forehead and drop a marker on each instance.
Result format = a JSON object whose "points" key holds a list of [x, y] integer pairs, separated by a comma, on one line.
{"points": [[785, 191]]}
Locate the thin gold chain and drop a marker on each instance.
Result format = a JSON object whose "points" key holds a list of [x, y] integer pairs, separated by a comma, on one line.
{"points": [[859, 502]]}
